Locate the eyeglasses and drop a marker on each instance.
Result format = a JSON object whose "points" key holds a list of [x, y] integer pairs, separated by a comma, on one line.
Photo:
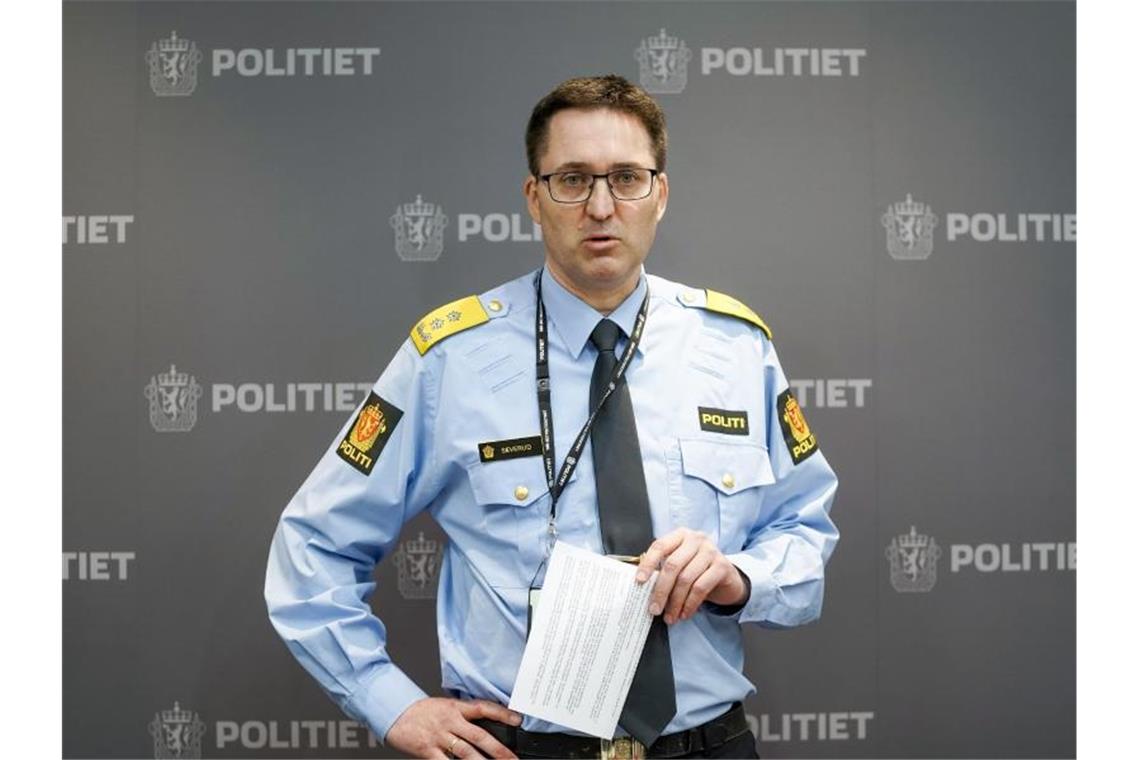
{"points": [[631, 184]]}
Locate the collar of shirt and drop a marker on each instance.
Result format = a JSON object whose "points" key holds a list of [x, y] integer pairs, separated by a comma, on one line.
{"points": [[574, 319]]}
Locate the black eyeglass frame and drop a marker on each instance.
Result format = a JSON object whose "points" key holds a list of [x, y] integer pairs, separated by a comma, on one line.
{"points": [[594, 180]]}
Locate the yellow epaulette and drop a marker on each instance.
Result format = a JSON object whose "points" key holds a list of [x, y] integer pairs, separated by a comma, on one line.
{"points": [[726, 304], [447, 320]]}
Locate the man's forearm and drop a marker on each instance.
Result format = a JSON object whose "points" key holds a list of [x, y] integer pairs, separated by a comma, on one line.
{"points": [[786, 575]]}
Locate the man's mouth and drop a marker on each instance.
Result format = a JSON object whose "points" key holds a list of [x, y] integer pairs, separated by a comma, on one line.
{"points": [[600, 242]]}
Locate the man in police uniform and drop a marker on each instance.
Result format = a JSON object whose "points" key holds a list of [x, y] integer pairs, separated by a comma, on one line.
{"points": [[720, 481]]}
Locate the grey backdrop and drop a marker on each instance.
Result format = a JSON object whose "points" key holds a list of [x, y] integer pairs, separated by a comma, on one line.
{"points": [[259, 252]]}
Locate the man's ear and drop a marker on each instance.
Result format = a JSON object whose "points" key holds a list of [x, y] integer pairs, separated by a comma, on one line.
{"points": [[662, 194], [530, 190]]}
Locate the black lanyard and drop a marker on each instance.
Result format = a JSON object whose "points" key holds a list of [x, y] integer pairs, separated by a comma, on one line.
{"points": [[546, 416]]}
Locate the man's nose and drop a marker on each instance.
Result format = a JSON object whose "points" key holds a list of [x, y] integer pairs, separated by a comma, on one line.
{"points": [[600, 204]]}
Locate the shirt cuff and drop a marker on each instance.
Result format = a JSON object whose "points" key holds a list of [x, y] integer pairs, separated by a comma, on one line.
{"points": [[383, 699], [728, 610], [763, 591]]}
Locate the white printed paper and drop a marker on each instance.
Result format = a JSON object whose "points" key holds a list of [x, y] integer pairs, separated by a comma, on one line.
{"points": [[585, 641]]}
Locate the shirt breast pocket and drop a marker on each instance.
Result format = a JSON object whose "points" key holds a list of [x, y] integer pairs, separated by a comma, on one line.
{"points": [[507, 539], [716, 487]]}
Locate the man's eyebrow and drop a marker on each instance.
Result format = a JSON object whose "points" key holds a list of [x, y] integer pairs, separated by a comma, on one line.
{"points": [[570, 165]]}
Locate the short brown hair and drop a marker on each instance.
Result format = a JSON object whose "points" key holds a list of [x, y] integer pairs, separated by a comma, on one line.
{"points": [[610, 91]]}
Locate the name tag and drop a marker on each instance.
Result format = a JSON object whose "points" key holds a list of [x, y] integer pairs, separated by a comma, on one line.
{"points": [[493, 451]]}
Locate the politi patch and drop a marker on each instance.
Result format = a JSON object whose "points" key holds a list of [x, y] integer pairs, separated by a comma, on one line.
{"points": [[369, 433], [723, 420], [797, 435]]}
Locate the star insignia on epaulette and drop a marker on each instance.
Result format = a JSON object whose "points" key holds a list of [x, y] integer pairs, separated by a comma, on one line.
{"points": [[448, 320]]}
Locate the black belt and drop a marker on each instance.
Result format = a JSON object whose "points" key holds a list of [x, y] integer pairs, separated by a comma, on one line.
{"points": [[708, 736]]}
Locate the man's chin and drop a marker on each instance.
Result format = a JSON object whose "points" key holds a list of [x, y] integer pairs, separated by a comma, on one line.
{"points": [[610, 276], [609, 269]]}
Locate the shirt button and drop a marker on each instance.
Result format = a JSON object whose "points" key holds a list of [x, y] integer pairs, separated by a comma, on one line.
{"points": [[521, 492], [728, 480], [688, 296], [495, 305]]}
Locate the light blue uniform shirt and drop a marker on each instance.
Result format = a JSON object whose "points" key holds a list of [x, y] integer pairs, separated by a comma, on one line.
{"points": [[768, 514]]}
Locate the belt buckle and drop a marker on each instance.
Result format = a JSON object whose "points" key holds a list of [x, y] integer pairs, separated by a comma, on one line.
{"points": [[622, 748]]}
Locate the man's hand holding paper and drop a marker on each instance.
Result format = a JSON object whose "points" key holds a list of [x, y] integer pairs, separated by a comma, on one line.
{"points": [[693, 571]]}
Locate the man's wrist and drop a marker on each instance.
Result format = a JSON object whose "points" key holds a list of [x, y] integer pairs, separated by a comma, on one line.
{"points": [[732, 609], [381, 700]]}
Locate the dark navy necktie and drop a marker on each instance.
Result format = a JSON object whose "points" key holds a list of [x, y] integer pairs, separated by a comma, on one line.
{"points": [[623, 511]]}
